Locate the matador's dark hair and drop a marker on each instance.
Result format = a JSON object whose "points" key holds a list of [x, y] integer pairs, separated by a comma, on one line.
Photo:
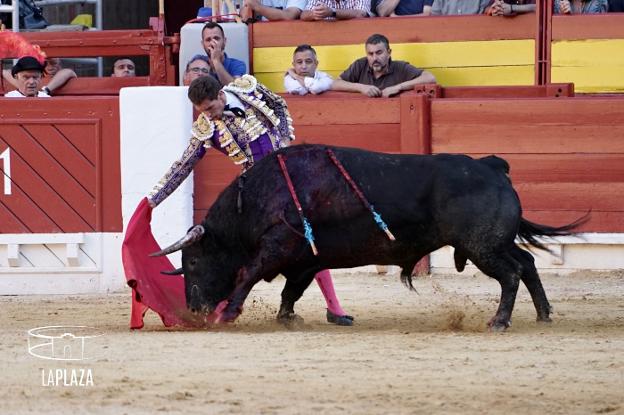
{"points": [[202, 88]]}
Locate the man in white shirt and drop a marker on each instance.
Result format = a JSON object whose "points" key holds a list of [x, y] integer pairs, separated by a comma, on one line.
{"points": [[303, 77], [28, 72]]}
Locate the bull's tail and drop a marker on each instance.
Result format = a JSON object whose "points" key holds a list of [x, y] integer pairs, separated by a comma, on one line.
{"points": [[529, 231]]}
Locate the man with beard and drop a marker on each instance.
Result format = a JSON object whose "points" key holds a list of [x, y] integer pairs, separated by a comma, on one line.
{"points": [[303, 78], [377, 75], [222, 67]]}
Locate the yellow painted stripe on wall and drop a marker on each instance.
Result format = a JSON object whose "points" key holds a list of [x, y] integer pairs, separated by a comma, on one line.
{"points": [[588, 52], [470, 76], [593, 65], [591, 79], [422, 55]]}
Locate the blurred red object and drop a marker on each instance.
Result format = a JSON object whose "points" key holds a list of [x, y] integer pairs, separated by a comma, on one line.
{"points": [[14, 45]]}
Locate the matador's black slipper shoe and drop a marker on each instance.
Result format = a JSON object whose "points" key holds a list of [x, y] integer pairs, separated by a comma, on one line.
{"points": [[339, 320]]}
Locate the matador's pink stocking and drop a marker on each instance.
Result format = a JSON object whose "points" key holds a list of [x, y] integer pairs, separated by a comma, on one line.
{"points": [[325, 283]]}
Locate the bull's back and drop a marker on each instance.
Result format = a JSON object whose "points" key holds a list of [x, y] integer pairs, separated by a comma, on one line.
{"points": [[413, 192]]}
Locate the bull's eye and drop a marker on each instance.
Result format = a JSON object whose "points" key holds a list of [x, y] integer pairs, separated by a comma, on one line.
{"points": [[193, 262]]}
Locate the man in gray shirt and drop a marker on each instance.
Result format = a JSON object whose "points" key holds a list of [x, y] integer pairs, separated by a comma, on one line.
{"points": [[455, 7], [377, 75]]}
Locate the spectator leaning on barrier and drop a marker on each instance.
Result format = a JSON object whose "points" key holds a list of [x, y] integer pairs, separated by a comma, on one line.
{"points": [[455, 7], [54, 76], [276, 9], [335, 10], [377, 75], [27, 72], [303, 77], [196, 67], [580, 6], [222, 67], [123, 67], [394, 8], [510, 7]]}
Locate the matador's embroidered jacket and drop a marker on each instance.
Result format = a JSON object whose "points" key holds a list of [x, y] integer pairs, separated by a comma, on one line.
{"points": [[266, 127]]}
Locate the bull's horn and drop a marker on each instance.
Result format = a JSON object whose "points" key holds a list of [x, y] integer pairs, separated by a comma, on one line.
{"points": [[177, 271], [194, 234]]}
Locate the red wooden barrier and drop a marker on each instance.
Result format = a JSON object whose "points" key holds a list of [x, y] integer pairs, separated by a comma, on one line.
{"points": [[566, 154], [528, 91], [64, 165]]}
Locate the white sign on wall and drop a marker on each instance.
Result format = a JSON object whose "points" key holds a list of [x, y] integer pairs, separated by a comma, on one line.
{"points": [[5, 157]]}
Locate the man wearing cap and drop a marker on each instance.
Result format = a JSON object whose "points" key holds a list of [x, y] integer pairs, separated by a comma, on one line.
{"points": [[27, 72]]}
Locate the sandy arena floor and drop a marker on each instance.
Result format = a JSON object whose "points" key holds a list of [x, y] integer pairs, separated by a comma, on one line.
{"points": [[408, 353]]}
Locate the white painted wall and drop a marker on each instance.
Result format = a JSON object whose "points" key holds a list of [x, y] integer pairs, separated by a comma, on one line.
{"points": [[155, 127], [61, 263]]}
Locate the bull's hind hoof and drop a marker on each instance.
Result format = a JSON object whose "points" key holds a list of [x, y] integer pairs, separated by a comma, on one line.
{"points": [[498, 326], [543, 319], [339, 320], [290, 320]]}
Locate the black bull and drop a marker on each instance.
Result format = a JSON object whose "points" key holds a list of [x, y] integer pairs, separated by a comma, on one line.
{"points": [[427, 201]]}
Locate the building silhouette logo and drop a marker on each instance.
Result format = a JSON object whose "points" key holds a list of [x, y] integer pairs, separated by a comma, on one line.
{"points": [[66, 343]]}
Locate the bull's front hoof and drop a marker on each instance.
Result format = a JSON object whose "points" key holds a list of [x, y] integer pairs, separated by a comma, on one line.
{"points": [[546, 319], [339, 320], [227, 316], [498, 325], [291, 321]]}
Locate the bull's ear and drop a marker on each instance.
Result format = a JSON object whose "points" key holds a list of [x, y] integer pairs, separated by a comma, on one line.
{"points": [[177, 271], [193, 235]]}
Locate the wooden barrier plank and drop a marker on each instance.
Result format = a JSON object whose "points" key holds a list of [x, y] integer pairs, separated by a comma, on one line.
{"points": [[575, 167], [517, 112], [91, 86], [588, 26], [95, 43], [593, 65], [39, 152], [32, 200], [9, 222], [22, 213], [422, 55], [415, 124], [78, 169], [566, 125], [545, 138], [571, 196], [591, 79], [374, 137], [403, 30], [100, 86], [342, 108], [507, 91], [596, 53], [610, 222]]}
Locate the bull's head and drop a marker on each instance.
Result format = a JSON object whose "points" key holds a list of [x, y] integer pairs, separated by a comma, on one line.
{"points": [[206, 278]]}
